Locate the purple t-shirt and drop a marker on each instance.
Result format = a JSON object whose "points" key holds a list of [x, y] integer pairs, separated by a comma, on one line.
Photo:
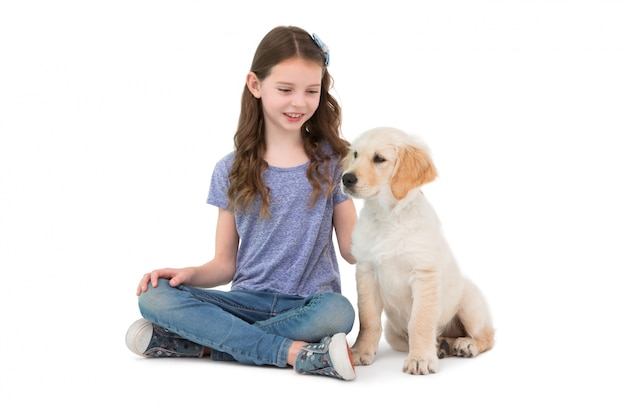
{"points": [[292, 251]]}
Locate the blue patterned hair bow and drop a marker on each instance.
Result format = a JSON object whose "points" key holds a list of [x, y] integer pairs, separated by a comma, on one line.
{"points": [[323, 47]]}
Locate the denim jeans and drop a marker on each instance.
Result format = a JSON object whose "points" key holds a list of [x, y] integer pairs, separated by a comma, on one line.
{"points": [[250, 327]]}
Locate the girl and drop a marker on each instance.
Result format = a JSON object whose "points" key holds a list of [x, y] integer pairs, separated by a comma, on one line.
{"points": [[278, 200]]}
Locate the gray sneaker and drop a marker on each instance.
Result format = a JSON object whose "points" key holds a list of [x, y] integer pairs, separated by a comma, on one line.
{"points": [[147, 339], [330, 357]]}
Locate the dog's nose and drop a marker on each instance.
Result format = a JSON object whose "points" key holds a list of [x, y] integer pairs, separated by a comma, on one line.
{"points": [[348, 179]]}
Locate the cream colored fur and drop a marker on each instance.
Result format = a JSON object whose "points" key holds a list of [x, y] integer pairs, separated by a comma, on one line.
{"points": [[404, 265]]}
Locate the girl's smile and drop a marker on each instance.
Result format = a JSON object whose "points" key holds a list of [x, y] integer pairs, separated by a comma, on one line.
{"points": [[294, 117]]}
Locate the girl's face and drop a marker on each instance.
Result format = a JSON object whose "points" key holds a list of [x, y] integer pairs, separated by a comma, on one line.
{"points": [[289, 95]]}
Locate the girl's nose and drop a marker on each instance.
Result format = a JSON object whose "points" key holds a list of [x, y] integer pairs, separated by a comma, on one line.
{"points": [[297, 100]]}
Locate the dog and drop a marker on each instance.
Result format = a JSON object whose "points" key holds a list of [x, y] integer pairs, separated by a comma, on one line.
{"points": [[404, 266]]}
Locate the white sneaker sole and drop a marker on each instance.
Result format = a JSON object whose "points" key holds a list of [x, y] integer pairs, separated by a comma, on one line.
{"points": [[339, 352], [138, 336]]}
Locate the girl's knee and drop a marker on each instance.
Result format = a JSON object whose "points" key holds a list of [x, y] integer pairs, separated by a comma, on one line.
{"points": [[338, 313], [154, 299], [346, 310]]}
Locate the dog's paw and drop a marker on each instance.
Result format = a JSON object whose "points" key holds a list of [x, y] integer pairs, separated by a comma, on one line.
{"points": [[421, 365], [360, 357], [463, 347]]}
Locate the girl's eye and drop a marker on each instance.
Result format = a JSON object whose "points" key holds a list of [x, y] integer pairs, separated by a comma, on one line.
{"points": [[378, 159], [284, 90]]}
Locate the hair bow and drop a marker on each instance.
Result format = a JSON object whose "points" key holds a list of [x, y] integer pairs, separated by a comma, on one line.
{"points": [[323, 47]]}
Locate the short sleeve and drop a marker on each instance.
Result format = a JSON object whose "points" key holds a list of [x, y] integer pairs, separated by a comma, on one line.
{"points": [[338, 195], [218, 190]]}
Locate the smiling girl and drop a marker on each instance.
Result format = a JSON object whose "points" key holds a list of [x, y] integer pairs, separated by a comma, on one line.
{"points": [[278, 205]]}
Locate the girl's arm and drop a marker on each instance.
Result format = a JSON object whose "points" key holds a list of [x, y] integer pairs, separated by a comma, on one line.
{"points": [[344, 219], [219, 271]]}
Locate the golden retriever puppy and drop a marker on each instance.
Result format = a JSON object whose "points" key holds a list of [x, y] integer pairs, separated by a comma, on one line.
{"points": [[404, 265]]}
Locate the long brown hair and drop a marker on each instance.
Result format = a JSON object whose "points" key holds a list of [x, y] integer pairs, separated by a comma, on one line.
{"points": [[246, 180]]}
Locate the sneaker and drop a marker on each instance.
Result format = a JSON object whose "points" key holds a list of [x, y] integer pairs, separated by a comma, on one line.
{"points": [[330, 357], [147, 339]]}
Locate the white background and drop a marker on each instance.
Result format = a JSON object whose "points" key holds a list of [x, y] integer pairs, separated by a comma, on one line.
{"points": [[113, 113]]}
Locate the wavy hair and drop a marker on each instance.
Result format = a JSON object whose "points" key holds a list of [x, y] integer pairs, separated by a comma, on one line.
{"points": [[246, 175]]}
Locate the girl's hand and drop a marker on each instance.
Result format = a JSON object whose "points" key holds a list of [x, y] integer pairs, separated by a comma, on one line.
{"points": [[175, 275]]}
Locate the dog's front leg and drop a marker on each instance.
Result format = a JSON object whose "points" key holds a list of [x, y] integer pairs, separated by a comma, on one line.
{"points": [[370, 311], [422, 326]]}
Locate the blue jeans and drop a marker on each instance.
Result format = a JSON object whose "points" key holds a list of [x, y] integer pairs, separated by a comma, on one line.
{"points": [[250, 327]]}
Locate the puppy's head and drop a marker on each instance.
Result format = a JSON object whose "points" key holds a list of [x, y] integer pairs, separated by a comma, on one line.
{"points": [[386, 160]]}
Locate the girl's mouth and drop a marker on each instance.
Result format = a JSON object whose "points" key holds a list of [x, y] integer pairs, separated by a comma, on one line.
{"points": [[293, 117]]}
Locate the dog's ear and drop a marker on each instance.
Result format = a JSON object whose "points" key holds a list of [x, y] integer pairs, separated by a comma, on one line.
{"points": [[413, 169]]}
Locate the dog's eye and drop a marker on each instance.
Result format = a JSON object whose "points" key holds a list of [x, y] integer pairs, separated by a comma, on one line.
{"points": [[378, 159], [355, 154]]}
